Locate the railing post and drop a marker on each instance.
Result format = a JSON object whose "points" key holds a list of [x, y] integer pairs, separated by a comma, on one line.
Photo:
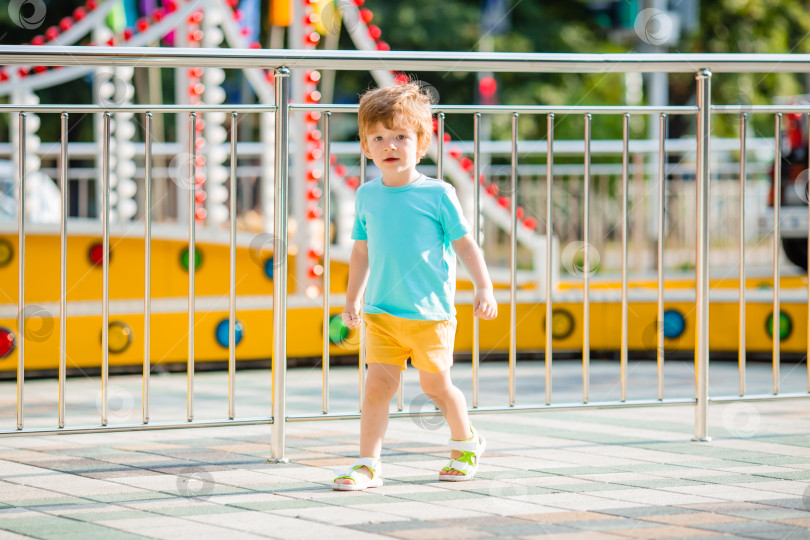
{"points": [[702, 257], [282, 80]]}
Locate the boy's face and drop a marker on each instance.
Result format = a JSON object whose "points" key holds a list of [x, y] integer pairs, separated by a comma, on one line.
{"points": [[394, 151]]}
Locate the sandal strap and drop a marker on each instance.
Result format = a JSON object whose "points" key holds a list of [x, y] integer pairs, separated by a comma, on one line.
{"points": [[461, 466], [373, 464], [473, 444]]}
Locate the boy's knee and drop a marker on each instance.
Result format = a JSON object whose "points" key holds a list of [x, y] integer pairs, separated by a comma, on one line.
{"points": [[380, 391]]}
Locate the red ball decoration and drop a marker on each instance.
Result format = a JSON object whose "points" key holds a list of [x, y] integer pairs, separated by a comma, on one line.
{"points": [[314, 253], [311, 19], [374, 32], [366, 15], [466, 164], [22, 72], [111, 42], [341, 169], [65, 23], [315, 271], [520, 212], [313, 194], [312, 38], [170, 5], [313, 77], [79, 13], [353, 182], [313, 116], [255, 45], [314, 135], [313, 212], [530, 223], [196, 17], [237, 14], [313, 97], [158, 14], [401, 78], [195, 36], [503, 201], [314, 154], [3, 75], [383, 46], [195, 72], [91, 4], [200, 214], [314, 175], [199, 161], [196, 89], [233, 3], [142, 25], [446, 137], [128, 33], [38, 40], [200, 197], [40, 69], [492, 189], [359, 2], [454, 153], [52, 33]]}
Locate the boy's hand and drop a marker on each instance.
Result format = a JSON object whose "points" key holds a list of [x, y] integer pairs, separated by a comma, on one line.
{"points": [[351, 316], [484, 304]]}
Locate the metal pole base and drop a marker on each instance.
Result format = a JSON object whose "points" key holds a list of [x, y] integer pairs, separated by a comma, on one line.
{"points": [[278, 460], [701, 439]]}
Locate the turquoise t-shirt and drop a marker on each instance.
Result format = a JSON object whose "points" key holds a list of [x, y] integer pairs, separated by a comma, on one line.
{"points": [[409, 230]]}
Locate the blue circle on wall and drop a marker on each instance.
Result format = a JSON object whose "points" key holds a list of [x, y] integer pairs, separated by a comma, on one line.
{"points": [[223, 330], [674, 323]]}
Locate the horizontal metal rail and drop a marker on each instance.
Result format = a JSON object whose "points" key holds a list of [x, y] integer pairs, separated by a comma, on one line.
{"points": [[402, 60]]}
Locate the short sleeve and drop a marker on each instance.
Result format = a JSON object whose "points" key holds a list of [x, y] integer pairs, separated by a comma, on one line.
{"points": [[453, 222], [359, 227]]}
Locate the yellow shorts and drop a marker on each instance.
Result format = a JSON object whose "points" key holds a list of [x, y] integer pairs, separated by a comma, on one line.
{"points": [[392, 340]]}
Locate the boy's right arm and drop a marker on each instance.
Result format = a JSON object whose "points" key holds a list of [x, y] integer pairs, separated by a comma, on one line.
{"points": [[358, 276]]}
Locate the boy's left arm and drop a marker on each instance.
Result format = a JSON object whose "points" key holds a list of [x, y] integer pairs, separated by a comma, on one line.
{"points": [[484, 304]]}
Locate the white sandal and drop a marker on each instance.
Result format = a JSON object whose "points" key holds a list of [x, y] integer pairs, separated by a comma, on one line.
{"points": [[361, 481], [467, 463]]}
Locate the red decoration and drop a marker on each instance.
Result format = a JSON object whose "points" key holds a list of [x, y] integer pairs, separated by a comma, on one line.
{"points": [[200, 197], [3, 75], [315, 271], [454, 153], [530, 223], [66, 23], [7, 342], [446, 137], [313, 97], [111, 42], [52, 33], [199, 161], [195, 36], [314, 135], [492, 189], [158, 14], [401, 78], [196, 89], [374, 31], [314, 154], [255, 45], [314, 175], [142, 25], [195, 72], [40, 69], [79, 13], [466, 164], [366, 15], [196, 17], [520, 212], [353, 182], [383, 46], [314, 253], [38, 40], [313, 194], [359, 2], [200, 214], [341, 169], [313, 77], [313, 38], [91, 4], [313, 212], [22, 72], [128, 33], [313, 116], [503, 201]]}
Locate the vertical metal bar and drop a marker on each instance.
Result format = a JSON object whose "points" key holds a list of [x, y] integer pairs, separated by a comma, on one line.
{"points": [[401, 393], [702, 257], [362, 354], [625, 190], [549, 242], [21, 274], [807, 194], [513, 265], [192, 261], [281, 180], [777, 203], [440, 147], [586, 273], [662, 178], [147, 249], [476, 357], [232, 271], [327, 235], [105, 268], [63, 181], [741, 331]]}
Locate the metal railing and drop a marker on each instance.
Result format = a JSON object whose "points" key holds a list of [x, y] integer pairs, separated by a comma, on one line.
{"points": [[701, 65]]}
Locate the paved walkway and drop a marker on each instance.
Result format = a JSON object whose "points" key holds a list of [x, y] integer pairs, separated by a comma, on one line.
{"points": [[557, 474]]}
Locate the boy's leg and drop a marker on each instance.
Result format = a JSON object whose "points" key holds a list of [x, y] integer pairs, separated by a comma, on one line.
{"points": [[382, 383], [440, 388]]}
